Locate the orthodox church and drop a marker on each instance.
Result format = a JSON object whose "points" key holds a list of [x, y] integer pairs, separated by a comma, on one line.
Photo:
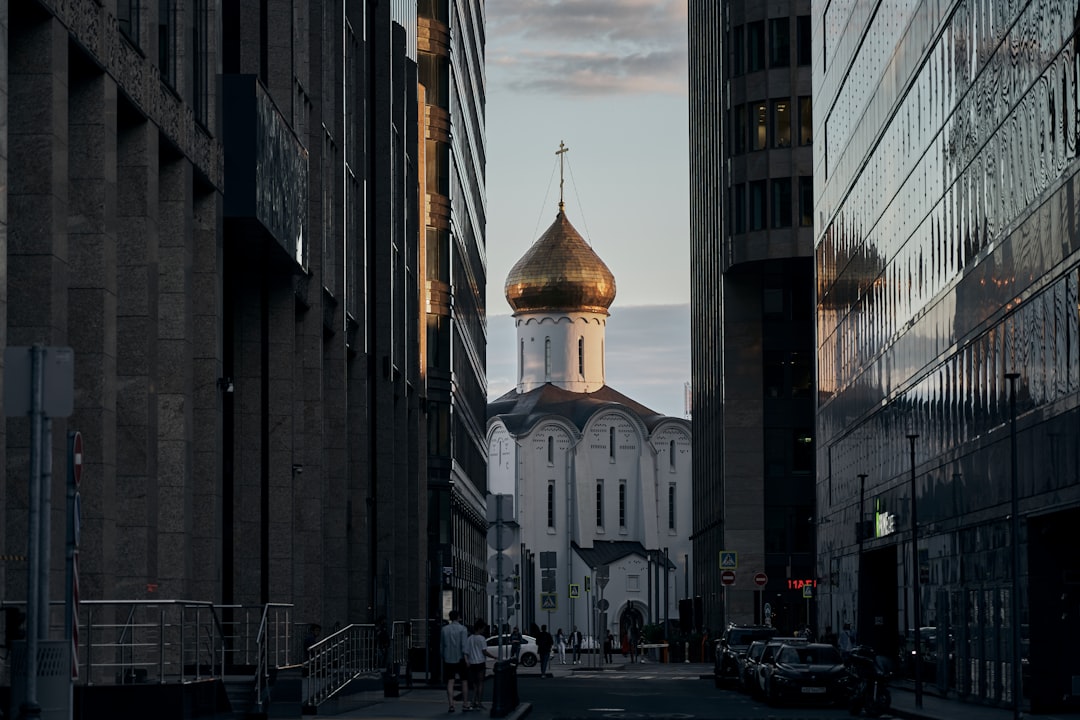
{"points": [[600, 483]]}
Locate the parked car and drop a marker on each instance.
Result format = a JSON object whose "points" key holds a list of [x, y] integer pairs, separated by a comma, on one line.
{"points": [[748, 668], [806, 672], [527, 656], [732, 646], [766, 662]]}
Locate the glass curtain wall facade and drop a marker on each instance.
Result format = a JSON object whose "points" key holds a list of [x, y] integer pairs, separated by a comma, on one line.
{"points": [[451, 69], [948, 258], [752, 308]]}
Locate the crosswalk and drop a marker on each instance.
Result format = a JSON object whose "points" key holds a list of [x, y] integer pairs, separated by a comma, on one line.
{"points": [[624, 676]]}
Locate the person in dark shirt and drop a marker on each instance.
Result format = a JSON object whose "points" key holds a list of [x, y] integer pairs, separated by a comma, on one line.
{"points": [[544, 643]]}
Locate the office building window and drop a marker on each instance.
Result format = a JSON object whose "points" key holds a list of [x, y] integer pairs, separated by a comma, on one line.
{"points": [[599, 503], [633, 583], [781, 202], [802, 455], [167, 41], [551, 504], [806, 121], [738, 49], [738, 130], [671, 506], [611, 443], [622, 504], [127, 19], [806, 201], [738, 208], [781, 111], [551, 450], [581, 356], [755, 46], [804, 42], [759, 134], [779, 42], [757, 205]]}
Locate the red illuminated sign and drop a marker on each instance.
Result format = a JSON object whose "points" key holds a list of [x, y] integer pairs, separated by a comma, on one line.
{"points": [[800, 584]]}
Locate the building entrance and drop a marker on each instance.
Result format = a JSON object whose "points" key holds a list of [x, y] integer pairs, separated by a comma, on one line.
{"points": [[1049, 644], [878, 608]]}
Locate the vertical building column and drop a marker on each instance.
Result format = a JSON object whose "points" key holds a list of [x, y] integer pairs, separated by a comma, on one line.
{"points": [[136, 501], [175, 376], [209, 395], [92, 297], [37, 251], [294, 529], [3, 254]]}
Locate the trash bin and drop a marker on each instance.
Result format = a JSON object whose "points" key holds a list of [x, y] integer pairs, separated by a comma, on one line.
{"points": [[504, 697], [663, 653]]}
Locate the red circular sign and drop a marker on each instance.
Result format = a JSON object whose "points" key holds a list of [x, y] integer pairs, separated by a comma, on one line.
{"points": [[728, 577], [76, 457], [761, 579]]}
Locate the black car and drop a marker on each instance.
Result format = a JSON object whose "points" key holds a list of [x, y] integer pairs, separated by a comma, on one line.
{"points": [[806, 672], [731, 649], [748, 667], [766, 660]]}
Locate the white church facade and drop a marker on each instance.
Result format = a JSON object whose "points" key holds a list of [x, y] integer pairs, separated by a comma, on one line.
{"points": [[601, 484]]}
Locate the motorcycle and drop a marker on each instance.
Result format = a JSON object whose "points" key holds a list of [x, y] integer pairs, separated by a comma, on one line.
{"points": [[869, 675]]}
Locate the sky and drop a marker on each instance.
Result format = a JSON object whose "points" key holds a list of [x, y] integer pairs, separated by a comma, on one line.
{"points": [[608, 78]]}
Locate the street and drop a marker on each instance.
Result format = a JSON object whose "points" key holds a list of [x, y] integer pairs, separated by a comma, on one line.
{"points": [[643, 695]]}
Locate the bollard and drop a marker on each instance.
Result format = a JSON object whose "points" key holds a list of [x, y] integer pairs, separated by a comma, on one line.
{"points": [[686, 652], [504, 696]]}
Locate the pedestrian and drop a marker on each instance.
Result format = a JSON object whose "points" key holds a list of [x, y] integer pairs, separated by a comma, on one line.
{"points": [[312, 636], [829, 638], [609, 647], [544, 643], [477, 654], [633, 643], [846, 641], [515, 645], [452, 643], [560, 644], [575, 642], [382, 644]]}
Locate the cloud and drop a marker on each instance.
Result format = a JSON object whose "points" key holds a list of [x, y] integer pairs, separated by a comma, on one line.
{"points": [[587, 47]]}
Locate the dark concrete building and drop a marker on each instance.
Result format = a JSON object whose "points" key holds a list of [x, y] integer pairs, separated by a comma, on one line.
{"points": [[218, 206], [947, 256], [752, 324], [452, 72]]}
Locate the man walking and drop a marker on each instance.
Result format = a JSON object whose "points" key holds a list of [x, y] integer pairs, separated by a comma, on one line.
{"points": [[544, 642], [455, 667], [575, 642]]}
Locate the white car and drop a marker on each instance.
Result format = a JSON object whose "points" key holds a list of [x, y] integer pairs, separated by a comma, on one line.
{"points": [[527, 656]]}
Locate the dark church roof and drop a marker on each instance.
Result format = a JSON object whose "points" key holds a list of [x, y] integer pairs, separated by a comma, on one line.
{"points": [[520, 412], [605, 552]]}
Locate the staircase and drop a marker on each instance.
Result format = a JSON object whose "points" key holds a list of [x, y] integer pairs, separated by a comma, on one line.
{"points": [[282, 696]]}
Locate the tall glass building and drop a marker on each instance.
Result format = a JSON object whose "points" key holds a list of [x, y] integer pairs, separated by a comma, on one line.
{"points": [[948, 258], [752, 309], [451, 69]]}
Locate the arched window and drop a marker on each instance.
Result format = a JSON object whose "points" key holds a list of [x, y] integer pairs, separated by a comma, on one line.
{"points": [[521, 361], [671, 507], [611, 443], [547, 358], [581, 356], [551, 504], [671, 456], [622, 504], [600, 504], [551, 450]]}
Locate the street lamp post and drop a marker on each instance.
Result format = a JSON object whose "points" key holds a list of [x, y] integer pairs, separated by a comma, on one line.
{"points": [[915, 580], [860, 530], [1014, 614]]}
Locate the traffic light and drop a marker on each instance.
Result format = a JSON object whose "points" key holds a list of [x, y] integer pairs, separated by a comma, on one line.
{"points": [[14, 626]]}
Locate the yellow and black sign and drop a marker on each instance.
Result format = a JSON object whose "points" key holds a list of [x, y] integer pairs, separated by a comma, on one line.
{"points": [[549, 602], [588, 584], [575, 591]]}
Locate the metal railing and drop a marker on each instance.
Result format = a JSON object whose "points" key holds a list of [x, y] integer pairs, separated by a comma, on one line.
{"points": [[273, 644], [353, 652], [136, 641]]}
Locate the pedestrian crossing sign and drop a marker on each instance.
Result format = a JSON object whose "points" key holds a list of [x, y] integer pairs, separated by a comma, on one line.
{"points": [[729, 560], [549, 602], [575, 591]]}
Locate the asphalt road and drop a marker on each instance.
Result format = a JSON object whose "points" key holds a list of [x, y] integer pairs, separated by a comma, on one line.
{"points": [[624, 696]]}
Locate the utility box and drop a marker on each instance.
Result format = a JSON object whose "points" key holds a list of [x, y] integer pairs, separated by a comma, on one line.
{"points": [[54, 686]]}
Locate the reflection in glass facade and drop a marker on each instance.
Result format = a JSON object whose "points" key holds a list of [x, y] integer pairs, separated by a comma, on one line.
{"points": [[948, 254], [752, 323]]}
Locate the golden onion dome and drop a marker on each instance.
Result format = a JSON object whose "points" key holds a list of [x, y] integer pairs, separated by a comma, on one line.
{"points": [[560, 272]]}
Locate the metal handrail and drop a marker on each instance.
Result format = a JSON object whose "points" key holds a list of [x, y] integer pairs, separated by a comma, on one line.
{"points": [[262, 648]]}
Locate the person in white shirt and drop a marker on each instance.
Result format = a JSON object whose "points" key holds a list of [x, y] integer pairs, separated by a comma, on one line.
{"points": [[476, 653], [452, 647]]}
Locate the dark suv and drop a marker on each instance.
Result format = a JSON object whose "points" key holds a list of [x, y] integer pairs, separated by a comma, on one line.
{"points": [[731, 649]]}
